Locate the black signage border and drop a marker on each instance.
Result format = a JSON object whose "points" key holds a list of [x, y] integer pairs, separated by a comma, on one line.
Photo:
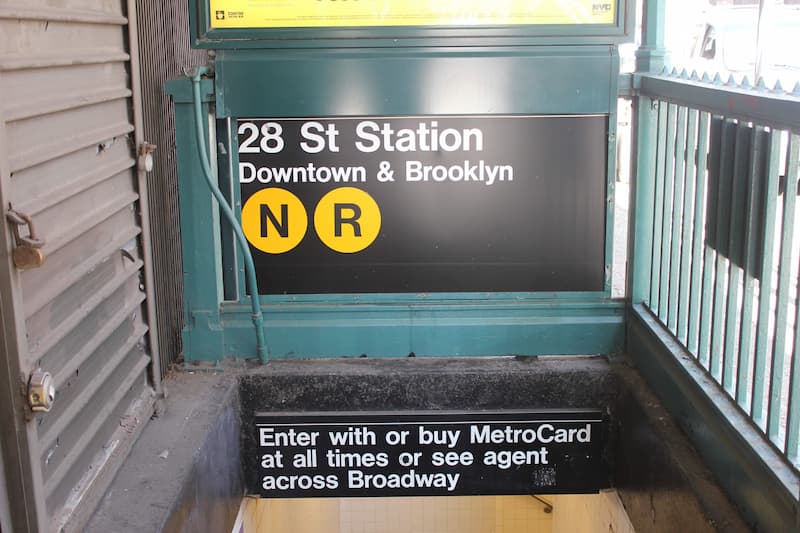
{"points": [[467, 203], [323, 455]]}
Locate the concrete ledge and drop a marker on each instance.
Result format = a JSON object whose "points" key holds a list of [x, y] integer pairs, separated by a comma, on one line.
{"points": [[184, 472], [742, 462], [661, 480]]}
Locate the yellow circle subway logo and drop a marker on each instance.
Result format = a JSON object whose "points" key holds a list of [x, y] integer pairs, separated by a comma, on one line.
{"points": [[274, 220], [347, 220]]}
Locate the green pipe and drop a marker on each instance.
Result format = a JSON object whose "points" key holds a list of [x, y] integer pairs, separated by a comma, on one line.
{"points": [[249, 266]]}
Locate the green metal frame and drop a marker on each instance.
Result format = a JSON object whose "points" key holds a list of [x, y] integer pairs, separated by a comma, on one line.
{"points": [[548, 80], [373, 324], [204, 36], [579, 76]]}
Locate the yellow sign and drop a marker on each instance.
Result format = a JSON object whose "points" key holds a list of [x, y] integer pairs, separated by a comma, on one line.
{"points": [[274, 220], [349, 13], [347, 220]]}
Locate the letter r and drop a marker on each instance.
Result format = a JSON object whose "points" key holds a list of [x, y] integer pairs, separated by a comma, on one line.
{"points": [[339, 219]]}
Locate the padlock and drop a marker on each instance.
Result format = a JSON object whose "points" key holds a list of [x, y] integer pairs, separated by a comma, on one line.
{"points": [[28, 251], [27, 257]]}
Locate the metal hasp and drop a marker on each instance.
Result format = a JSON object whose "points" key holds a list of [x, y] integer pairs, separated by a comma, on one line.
{"points": [[344, 77]]}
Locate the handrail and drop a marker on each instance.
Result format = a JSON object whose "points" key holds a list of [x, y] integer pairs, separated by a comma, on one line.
{"points": [[773, 107]]}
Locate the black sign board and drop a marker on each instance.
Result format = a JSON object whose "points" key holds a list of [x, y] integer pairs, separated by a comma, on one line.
{"points": [[425, 204], [427, 454]]}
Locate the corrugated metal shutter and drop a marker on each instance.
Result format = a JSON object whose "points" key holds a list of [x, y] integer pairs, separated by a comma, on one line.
{"points": [[164, 48], [65, 106]]}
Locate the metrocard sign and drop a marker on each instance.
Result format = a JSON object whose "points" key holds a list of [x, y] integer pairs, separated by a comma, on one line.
{"points": [[427, 13]]}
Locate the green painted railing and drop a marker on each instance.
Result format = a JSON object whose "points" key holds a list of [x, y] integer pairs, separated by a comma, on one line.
{"points": [[718, 237]]}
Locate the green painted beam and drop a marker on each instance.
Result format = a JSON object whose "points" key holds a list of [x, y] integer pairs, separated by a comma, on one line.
{"points": [[469, 80], [200, 234], [469, 329]]}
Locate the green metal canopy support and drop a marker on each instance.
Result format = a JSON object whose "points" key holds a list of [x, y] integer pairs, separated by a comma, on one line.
{"points": [[200, 232]]}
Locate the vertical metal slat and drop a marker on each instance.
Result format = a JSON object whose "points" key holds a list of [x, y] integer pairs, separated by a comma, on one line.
{"points": [[707, 310], [736, 233], [666, 236], [765, 308], [658, 208], [678, 221], [784, 290], [723, 193], [756, 180], [689, 205], [698, 242]]}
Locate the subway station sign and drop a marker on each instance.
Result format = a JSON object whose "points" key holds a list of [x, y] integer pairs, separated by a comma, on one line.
{"points": [[303, 455], [426, 13], [425, 203]]}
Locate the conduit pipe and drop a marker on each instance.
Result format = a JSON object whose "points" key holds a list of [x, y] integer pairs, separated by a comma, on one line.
{"points": [[249, 266]]}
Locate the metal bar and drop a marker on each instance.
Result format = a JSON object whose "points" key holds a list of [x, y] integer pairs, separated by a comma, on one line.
{"points": [[792, 438], [698, 243], [47, 151], [77, 405], [60, 14], [90, 303], [658, 211], [666, 236], [764, 329], [66, 101], [707, 310], [753, 238], [722, 263], [56, 475], [793, 416], [81, 181], [73, 230], [741, 164], [678, 221], [96, 340], [611, 180], [144, 204], [548, 507], [640, 220], [70, 57], [18, 440], [690, 203], [767, 109], [784, 291], [51, 291], [652, 53]]}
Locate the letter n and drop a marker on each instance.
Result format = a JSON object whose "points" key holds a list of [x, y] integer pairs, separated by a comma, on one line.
{"points": [[282, 226]]}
